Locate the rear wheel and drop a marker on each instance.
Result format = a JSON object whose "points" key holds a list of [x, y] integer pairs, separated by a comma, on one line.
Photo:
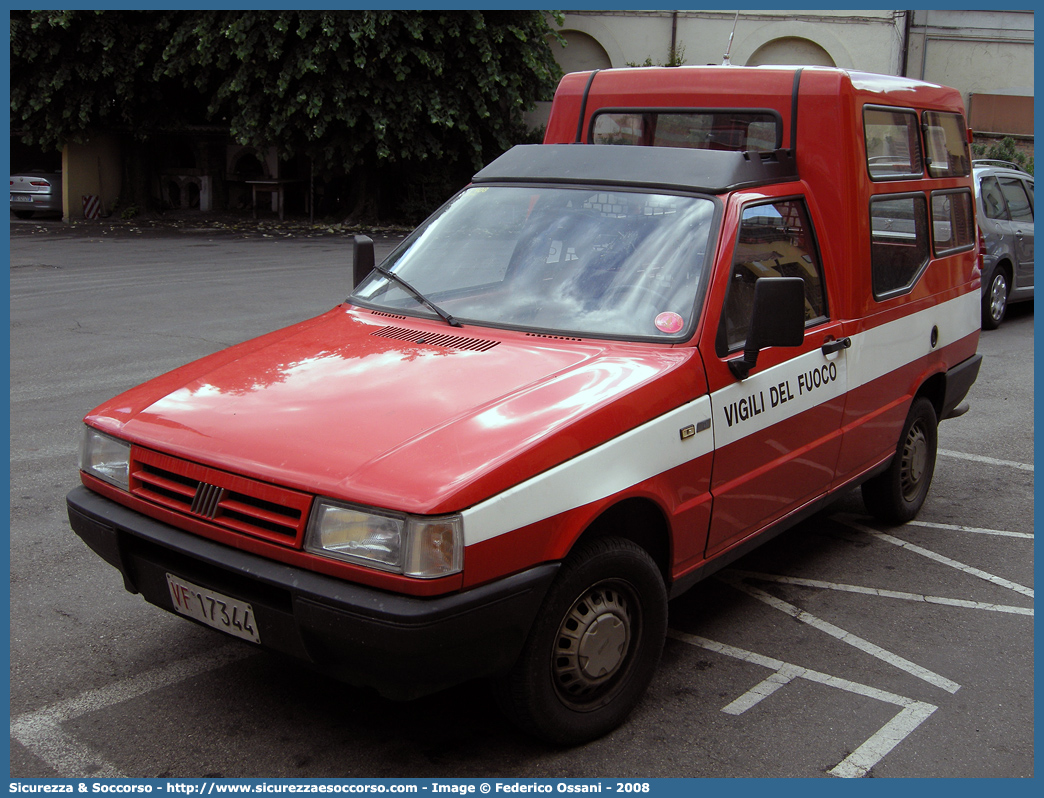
{"points": [[897, 495], [995, 300], [594, 649]]}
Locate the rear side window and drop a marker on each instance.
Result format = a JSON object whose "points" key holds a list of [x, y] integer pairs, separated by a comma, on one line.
{"points": [[953, 223], [992, 199], [898, 242], [1020, 209], [775, 240], [893, 143], [946, 140], [702, 129]]}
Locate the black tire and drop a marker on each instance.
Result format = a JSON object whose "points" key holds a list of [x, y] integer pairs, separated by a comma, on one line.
{"points": [[594, 647], [995, 300], [896, 496]]}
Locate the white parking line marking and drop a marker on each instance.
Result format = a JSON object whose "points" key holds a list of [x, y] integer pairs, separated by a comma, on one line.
{"points": [[845, 637], [939, 558], [876, 591], [976, 530], [978, 458], [860, 761], [40, 731], [764, 689]]}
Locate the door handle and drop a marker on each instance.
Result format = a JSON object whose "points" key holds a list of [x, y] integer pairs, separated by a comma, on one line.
{"points": [[836, 345]]}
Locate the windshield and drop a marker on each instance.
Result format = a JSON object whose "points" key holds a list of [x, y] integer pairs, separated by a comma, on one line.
{"points": [[567, 260]]}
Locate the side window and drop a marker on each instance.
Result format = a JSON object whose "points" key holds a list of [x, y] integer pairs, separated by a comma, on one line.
{"points": [[953, 225], [898, 242], [775, 240], [1019, 207], [946, 140], [893, 143], [705, 129], [992, 199]]}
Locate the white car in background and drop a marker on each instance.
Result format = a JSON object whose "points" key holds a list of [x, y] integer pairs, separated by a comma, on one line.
{"points": [[36, 192]]}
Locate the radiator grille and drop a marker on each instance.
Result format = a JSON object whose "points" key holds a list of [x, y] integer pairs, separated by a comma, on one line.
{"points": [[226, 500]]}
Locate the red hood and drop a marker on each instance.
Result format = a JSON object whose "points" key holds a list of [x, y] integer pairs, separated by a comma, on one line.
{"points": [[344, 406]]}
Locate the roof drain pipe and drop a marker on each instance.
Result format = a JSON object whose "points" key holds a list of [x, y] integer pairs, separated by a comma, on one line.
{"points": [[583, 108]]}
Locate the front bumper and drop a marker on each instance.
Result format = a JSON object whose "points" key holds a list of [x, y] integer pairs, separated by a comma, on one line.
{"points": [[402, 646]]}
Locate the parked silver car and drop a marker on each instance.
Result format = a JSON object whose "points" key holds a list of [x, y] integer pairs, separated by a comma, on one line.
{"points": [[1004, 194], [36, 192]]}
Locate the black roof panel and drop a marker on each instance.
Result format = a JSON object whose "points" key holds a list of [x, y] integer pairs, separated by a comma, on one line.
{"points": [[674, 168]]}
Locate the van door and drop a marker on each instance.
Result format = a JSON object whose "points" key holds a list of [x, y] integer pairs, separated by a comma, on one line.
{"points": [[777, 432]]}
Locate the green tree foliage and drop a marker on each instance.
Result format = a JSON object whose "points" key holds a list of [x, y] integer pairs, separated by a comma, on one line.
{"points": [[1003, 150], [74, 71], [351, 85], [347, 89]]}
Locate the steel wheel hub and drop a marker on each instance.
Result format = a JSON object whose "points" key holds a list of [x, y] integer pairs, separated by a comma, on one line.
{"points": [[592, 644], [915, 462]]}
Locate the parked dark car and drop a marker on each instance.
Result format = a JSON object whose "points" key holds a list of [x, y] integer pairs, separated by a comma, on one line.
{"points": [[36, 192], [1004, 194]]}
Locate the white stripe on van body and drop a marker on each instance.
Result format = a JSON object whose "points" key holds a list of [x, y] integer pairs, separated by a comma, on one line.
{"points": [[656, 446], [643, 452], [883, 349]]}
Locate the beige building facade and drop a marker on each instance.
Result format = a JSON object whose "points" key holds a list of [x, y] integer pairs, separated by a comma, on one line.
{"points": [[987, 55]]}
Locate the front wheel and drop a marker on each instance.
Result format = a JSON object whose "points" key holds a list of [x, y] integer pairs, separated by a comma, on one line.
{"points": [[897, 495], [593, 651]]}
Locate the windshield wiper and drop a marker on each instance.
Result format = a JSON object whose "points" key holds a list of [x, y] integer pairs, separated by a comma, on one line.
{"points": [[452, 322]]}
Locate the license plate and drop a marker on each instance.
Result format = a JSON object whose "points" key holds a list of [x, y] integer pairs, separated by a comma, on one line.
{"points": [[20, 198], [214, 609]]}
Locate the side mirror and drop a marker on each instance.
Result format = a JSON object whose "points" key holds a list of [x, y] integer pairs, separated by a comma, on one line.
{"points": [[778, 319], [362, 259]]}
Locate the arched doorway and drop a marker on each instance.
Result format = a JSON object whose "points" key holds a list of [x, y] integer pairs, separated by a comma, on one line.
{"points": [[791, 51], [581, 53]]}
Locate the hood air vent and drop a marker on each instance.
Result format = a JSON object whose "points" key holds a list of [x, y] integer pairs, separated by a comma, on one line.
{"points": [[435, 339]]}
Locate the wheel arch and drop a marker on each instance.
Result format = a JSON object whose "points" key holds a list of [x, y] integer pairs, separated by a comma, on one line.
{"points": [[934, 390], [639, 520], [1004, 264]]}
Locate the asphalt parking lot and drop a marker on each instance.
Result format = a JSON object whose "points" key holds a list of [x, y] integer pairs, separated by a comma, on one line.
{"points": [[843, 648]]}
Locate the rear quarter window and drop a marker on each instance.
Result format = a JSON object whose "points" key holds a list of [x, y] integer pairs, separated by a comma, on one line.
{"points": [[946, 140], [898, 242], [953, 222], [893, 143]]}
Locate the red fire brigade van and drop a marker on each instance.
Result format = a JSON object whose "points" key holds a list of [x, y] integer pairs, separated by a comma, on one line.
{"points": [[714, 298]]}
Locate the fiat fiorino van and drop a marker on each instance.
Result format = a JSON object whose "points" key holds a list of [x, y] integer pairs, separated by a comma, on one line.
{"points": [[711, 300]]}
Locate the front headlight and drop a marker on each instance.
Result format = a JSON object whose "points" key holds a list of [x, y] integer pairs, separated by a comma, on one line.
{"points": [[105, 457], [417, 546]]}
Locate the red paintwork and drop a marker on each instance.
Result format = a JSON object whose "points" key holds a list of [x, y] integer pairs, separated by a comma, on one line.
{"points": [[327, 407]]}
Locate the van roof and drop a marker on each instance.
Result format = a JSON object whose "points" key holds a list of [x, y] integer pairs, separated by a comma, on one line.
{"points": [[581, 94]]}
